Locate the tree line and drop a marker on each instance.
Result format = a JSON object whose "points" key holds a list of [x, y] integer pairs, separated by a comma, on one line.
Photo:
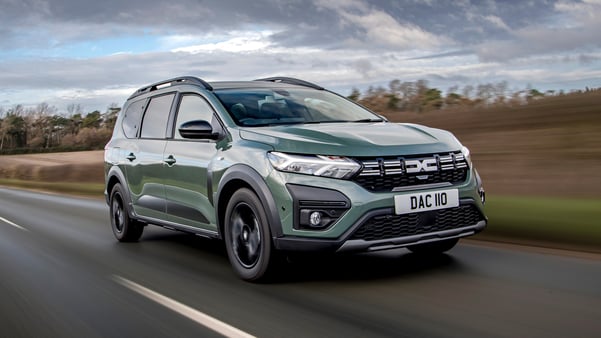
{"points": [[44, 129], [417, 96]]}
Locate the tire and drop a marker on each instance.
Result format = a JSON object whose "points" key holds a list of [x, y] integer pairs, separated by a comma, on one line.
{"points": [[434, 248], [124, 227], [247, 237]]}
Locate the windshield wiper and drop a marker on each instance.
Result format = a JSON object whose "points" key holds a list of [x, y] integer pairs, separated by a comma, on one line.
{"points": [[368, 120]]}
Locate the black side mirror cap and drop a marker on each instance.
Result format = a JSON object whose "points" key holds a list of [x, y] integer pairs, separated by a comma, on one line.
{"points": [[199, 130]]}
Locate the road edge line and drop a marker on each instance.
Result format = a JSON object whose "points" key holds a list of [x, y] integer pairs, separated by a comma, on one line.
{"points": [[13, 224], [184, 310]]}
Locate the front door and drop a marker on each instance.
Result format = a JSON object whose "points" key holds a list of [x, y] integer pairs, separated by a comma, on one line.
{"points": [[187, 181]]}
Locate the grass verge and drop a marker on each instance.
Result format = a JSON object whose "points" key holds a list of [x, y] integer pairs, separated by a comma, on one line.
{"points": [[557, 222], [85, 189]]}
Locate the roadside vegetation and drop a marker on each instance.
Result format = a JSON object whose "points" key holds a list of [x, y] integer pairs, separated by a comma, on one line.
{"points": [[43, 129], [539, 154]]}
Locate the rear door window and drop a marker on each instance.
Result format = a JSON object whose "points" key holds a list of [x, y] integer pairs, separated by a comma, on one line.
{"points": [[155, 120]]}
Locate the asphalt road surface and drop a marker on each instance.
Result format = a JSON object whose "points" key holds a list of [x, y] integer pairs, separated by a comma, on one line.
{"points": [[62, 274]]}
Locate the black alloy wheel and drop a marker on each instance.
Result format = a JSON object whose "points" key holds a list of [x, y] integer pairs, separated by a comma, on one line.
{"points": [[247, 236], [124, 227]]}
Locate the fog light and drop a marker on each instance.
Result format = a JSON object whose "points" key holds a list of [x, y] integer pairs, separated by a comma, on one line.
{"points": [[312, 219], [315, 219]]}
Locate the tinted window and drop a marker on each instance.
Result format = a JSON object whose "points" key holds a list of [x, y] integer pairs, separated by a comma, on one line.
{"points": [[132, 118], [192, 107], [259, 107], [157, 114]]}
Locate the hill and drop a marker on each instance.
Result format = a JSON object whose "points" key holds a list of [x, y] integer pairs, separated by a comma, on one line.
{"points": [[551, 146]]}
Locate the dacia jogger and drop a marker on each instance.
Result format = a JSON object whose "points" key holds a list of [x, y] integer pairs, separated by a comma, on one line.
{"points": [[282, 165]]}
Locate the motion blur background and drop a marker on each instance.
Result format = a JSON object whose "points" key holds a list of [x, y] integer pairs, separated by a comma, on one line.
{"points": [[517, 82]]}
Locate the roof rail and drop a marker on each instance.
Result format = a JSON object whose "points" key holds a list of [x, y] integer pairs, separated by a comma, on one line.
{"points": [[172, 82], [291, 80]]}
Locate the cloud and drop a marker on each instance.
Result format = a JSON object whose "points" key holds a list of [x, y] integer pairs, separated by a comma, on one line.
{"points": [[95, 53], [235, 42], [378, 27], [575, 30], [497, 21]]}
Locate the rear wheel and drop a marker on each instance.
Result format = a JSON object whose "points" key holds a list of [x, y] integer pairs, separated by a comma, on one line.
{"points": [[124, 227], [434, 248], [247, 236]]}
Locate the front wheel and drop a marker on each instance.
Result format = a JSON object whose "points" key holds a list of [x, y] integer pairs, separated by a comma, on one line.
{"points": [[247, 236], [433, 248], [124, 227]]}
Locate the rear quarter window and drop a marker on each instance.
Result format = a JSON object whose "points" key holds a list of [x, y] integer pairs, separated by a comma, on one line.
{"points": [[133, 118]]}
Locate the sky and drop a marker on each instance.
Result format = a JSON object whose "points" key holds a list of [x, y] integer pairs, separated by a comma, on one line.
{"points": [[96, 53]]}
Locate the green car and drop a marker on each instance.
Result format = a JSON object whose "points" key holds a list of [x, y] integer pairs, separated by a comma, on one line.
{"points": [[281, 165]]}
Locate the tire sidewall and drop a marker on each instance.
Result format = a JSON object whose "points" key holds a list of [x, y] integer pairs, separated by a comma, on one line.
{"points": [[258, 270], [129, 232]]}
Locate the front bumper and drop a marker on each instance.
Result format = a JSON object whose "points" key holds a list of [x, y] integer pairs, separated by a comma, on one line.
{"points": [[349, 242]]}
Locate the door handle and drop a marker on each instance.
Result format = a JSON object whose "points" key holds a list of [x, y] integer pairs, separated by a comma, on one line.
{"points": [[170, 160], [131, 157]]}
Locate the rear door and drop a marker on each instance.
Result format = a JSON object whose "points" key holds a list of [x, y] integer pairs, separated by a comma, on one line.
{"points": [[145, 168]]}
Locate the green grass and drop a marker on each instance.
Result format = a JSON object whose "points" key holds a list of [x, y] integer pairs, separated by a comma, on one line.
{"points": [[566, 221], [85, 189]]}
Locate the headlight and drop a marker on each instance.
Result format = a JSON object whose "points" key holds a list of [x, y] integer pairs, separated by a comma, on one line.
{"points": [[326, 166], [466, 154]]}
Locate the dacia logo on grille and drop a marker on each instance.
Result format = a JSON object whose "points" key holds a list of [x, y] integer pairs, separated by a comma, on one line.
{"points": [[417, 166]]}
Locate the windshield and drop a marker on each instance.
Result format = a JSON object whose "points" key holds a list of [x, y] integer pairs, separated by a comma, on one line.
{"points": [[264, 106]]}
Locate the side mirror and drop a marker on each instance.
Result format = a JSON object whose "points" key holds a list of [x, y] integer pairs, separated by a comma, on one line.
{"points": [[198, 129]]}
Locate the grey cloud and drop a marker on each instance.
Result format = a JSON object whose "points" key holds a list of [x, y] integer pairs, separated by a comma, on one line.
{"points": [[444, 55], [588, 59], [301, 22], [343, 53], [541, 40]]}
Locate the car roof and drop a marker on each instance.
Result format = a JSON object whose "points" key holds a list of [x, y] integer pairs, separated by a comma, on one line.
{"points": [[272, 82], [251, 84]]}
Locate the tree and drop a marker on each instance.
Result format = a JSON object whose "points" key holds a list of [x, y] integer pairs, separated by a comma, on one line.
{"points": [[452, 99], [355, 94], [110, 116], [92, 120], [15, 128], [75, 124], [432, 99], [467, 91], [534, 94], [3, 131], [500, 90]]}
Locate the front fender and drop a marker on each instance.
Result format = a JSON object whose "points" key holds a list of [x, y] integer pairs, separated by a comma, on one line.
{"points": [[230, 182]]}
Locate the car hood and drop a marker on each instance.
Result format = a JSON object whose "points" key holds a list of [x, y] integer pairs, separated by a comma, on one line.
{"points": [[354, 139]]}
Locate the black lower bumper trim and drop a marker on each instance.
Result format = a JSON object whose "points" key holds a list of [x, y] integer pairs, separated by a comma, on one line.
{"points": [[346, 243], [303, 244]]}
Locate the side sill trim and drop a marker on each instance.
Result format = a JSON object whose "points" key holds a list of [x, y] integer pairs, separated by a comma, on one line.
{"points": [[180, 227]]}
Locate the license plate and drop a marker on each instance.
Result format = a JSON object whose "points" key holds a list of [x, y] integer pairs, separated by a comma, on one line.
{"points": [[425, 201]]}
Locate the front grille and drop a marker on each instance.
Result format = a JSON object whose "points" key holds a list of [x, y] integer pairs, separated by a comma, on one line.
{"points": [[392, 226], [386, 173]]}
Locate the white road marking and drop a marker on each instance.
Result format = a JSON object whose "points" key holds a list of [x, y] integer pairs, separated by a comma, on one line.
{"points": [[184, 310], [13, 224]]}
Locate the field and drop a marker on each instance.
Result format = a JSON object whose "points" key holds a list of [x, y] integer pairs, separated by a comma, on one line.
{"points": [[541, 166], [551, 147]]}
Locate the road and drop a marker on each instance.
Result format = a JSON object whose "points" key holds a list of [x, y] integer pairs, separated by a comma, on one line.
{"points": [[62, 274]]}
